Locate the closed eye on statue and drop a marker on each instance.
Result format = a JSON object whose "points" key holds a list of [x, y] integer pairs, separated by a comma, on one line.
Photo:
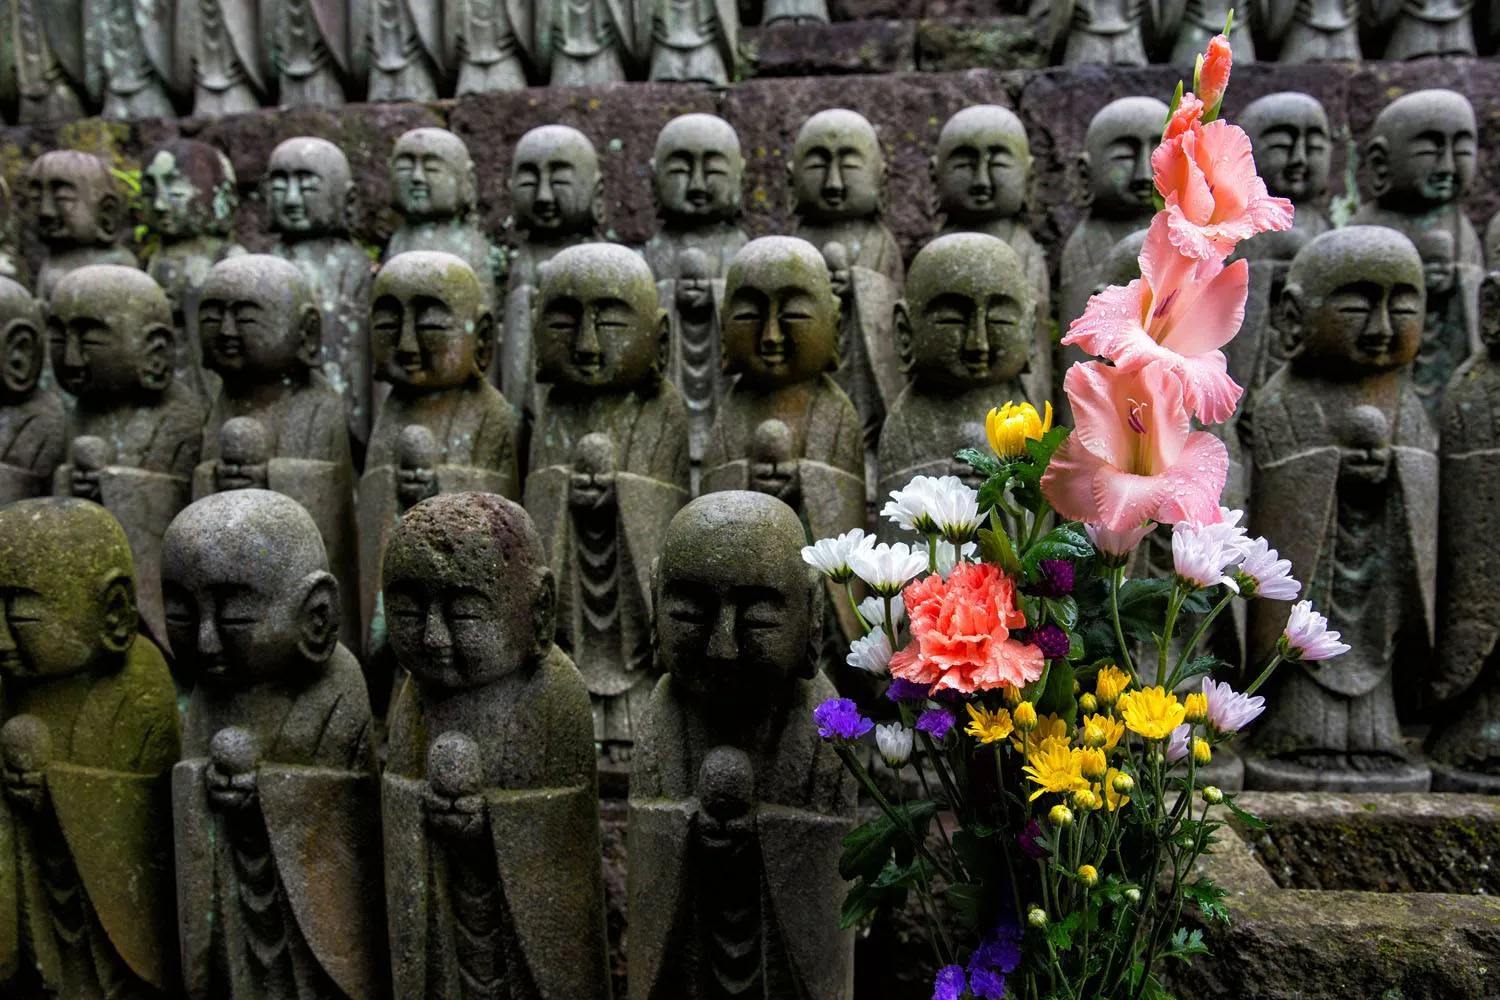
{"points": [[97, 336], [400, 605], [1123, 149], [613, 315], [469, 605], [279, 183], [679, 163], [715, 165], [308, 180], [527, 177], [404, 164]]}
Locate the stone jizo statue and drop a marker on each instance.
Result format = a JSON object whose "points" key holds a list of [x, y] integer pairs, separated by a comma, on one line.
{"points": [[77, 213], [244, 456], [1190, 24], [417, 459], [33, 423], [690, 41], [89, 456], [1308, 31], [489, 38], [1425, 29], [1099, 32], [406, 50], [494, 882], [582, 43], [49, 61], [90, 732], [275, 803], [737, 808], [320, 47], [228, 44], [793, 12], [143, 69]]}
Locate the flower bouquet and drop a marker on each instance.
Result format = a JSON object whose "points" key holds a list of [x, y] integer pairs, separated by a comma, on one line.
{"points": [[1013, 638]]}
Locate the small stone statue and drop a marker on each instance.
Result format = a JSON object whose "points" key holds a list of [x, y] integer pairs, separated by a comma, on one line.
{"points": [[111, 340], [244, 454], [275, 803], [77, 213], [1425, 29], [1445, 340], [963, 332], [434, 187], [190, 196], [491, 37], [690, 41], [1099, 32], [780, 323], [262, 335], [737, 808], [433, 334], [33, 423], [1190, 24], [982, 172], [89, 456], [90, 734], [1346, 475], [141, 66], [48, 59], [417, 459], [609, 468], [229, 53], [311, 199], [491, 807], [319, 46], [558, 195], [583, 43], [406, 50], [1308, 31]]}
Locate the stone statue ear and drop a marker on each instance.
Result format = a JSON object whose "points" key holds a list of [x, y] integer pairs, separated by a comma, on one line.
{"points": [[310, 336], [816, 599], [484, 341], [1084, 171], [663, 360], [121, 620], [21, 355], [318, 616], [1287, 318], [156, 357], [1378, 159], [110, 217], [901, 320], [543, 608]]}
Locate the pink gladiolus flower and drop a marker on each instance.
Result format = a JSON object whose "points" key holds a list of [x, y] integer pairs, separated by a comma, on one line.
{"points": [[1180, 311], [1213, 71], [1133, 455], [1214, 198], [1188, 114], [961, 632], [1116, 547]]}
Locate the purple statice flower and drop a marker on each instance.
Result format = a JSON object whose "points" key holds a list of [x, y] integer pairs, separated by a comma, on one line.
{"points": [[1027, 840], [902, 689], [987, 983], [839, 719], [949, 984], [935, 722], [1051, 640], [1054, 578], [997, 955]]}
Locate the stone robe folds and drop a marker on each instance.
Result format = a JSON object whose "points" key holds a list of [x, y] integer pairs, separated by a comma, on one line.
{"points": [[484, 39], [1314, 30], [804, 808], [540, 848], [688, 40], [650, 485], [283, 900], [103, 839], [32, 438], [227, 43], [695, 361], [322, 43], [583, 42], [406, 53], [1098, 32]]}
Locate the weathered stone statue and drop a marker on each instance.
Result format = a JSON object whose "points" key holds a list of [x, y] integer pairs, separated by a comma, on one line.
{"points": [[406, 50], [1101, 32], [90, 733], [963, 332], [433, 334], [33, 424], [311, 200], [982, 172], [190, 197], [558, 196], [12, 264], [46, 56], [1445, 334], [490, 37], [1191, 23], [737, 808], [435, 188], [1346, 475], [585, 42], [417, 459], [689, 40], [319, 46], [262, 335], [491, 808], [275, 803], [780, 323], [1313, 30], [111, 338], [1425, 29], [76, 212], [141, 66], [244, 454], [226, 40], [609, 468], [794, 12]]}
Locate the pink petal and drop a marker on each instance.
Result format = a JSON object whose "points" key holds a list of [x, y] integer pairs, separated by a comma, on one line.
{"points": [[1123, 500], [1194, 483], [1068, 483], [1212, 313], [1100, 399], [1106, 317], [1167, 425]]}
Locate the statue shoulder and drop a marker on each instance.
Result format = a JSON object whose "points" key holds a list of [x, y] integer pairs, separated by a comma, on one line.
{"points": [[130, 720]]}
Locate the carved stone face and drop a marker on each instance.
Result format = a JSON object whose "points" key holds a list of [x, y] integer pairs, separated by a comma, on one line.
{"points": [[244, 455], [308, 188], [22, 349], [73, 200], [1354, 303], [188, 189], [432, 175], [555, 183], [1290, 136], [734, 604], [968, 313], [246, 588], [430, 327], [1118, 145], [1422, 149], [697, 169], [66, 596], [598, 319], [1437, 250], [780, 317], [110, 332], [468, 599], [983, 165], [257, 319], [417, 458], [838, 169]]}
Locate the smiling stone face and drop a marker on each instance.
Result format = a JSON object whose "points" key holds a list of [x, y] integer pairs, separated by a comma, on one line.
{"points": [[780, 316], [1119, 143], [838, 169], [256, 318], [432, 175], [430, 326], [1292, 143], [598, 322], [110, 329], [1422, 150], [697, 170], [308, 188], [983, 165], [73, 200], [554, 182]]}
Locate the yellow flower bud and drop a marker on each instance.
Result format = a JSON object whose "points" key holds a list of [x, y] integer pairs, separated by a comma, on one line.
{"points": [[1024, 717], [1092, 763], [1088, 704], [1212, 795], [1084, 801], [1110, 684], [1123, 783], [1196, 706], [1012, 425], [1088, 875], [1060, 816], [1093, 735], [1133, 894], [1011, 694], [1037, 917], [1202, 752]]}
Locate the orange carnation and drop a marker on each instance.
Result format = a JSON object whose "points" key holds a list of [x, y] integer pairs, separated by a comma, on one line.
{"points": [[961, 629]]}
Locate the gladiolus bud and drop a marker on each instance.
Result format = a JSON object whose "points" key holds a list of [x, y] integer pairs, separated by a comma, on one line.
{"points": [[1088, 704], [1037, 917], [1132, 895], [1060, 816], [1196, 707], [1212, 76], [1202, 752], [1212, 795], [1024, 717], [1088, 875], [1123, 783]]}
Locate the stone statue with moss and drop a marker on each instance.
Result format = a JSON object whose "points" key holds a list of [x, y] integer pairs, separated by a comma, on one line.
{"points": [[45, 66], [144, 70], [33, 423], [76, 211], [689, 41], [230, 53]]}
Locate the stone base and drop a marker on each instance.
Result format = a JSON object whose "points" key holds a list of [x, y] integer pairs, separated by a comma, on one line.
{"points": [[1265, 774], [1453, 779]]}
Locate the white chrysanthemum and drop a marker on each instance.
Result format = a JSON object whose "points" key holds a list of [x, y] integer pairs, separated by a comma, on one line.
{"points": [[1202, 553], [830, 556], [936, 505], [894, 741], [1262, 574], [948, 556], [886, 568], [871, 653], [872, 610], [1307, 636], [1228, 710]]}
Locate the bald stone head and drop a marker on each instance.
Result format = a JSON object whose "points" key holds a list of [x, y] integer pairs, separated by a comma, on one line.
{"points": [[737, 612], [1116, 161], [555, 183], [110, 330], [968, 314], [1353, 304], [598, 322], [1421, 151], [189, 189], [780, 317], [23, 351], [697, 171], [469, 598], [244, 455], [982, 168], [258, 322], [1122, 264], [246, 589], [838, 169], [431, 328], [417, 459], [89, 455], [66, 571], [1291, 138], [309, 189], [432, 176], [74, 200]]}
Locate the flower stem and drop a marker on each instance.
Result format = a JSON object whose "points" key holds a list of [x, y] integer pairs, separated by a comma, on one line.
{"points": [[1116, 577], [1197, 637], [1264, 674], [1164, 643]]}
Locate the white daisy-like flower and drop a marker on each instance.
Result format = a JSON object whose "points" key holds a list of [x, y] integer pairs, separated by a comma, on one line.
{"points": [[894, 741], [1202, 553], [1307, 636], [872, 610], [936, 505], [1228, 710], [886, 568], [871, 653], [830, 556], [1263, 574], [949, 555]]}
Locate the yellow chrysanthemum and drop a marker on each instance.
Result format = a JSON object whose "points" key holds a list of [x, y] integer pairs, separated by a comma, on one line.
{"points": [[988, 727], [1092, 764], [1047, 727], [1151, 712], [1195, 707], [1024, 717], [1109, 732], [1012, 425], [1202, 752], [1054, 767], [1110, 684], [1113, 799], [1088, 875]]}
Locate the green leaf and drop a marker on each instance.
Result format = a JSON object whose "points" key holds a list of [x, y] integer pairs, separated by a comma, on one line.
{"points": [[1207, 894], [1076, 647], [965, 901], [1066, 541], [1041, 450], [867, 847], [1185, 945], [1062, 610], [1199, 665], [995, 547], [981, 462], [1060, 933], [994, 487], [1033, 691], [1248, 819], [1057, 698]]}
